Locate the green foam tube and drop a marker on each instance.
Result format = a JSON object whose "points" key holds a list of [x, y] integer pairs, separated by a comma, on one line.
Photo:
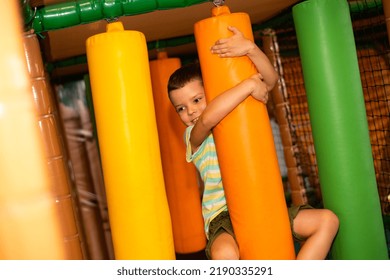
{"points": [[340, 128]]}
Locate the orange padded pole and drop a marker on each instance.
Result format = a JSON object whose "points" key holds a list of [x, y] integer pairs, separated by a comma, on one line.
{"points": [[180, 177], [30, 228], [245, 147]]}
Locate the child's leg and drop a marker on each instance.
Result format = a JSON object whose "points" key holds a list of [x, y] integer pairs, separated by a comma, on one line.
{"points": [[224, 247], [319, 226], [222, 244]]}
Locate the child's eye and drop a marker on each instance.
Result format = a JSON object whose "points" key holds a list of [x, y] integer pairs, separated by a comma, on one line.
{"points": [[197, 100], [179, 109]]}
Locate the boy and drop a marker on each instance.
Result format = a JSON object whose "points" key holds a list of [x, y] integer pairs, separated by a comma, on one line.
{"points": [[315, 228]]}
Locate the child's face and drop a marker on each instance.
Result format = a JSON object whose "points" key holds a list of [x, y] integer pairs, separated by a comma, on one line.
{"points": [[189, 101]]}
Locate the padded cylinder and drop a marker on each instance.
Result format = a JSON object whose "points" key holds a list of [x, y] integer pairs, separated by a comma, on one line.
{"points": [[180, 177], [245, 148], [30, 226], [339, 126], [128, 140]]}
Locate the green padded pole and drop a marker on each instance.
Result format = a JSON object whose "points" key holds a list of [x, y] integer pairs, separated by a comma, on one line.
{"points": [[339, 126]]}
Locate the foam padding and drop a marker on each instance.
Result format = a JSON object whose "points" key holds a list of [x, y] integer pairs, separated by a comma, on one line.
{"points": [[128, 140], [245, 148], [181, 181], [339, 126], [30, 227]]}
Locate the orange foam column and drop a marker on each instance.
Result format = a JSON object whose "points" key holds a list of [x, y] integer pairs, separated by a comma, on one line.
{"points": [[245, 147], [30, 228], [180, 178]]}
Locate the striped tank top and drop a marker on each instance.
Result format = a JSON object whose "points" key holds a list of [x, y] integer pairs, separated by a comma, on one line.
{"points": [[206, 161]]}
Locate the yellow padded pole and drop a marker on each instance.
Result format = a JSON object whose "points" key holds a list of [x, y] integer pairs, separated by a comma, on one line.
{"points": [[180, 177], [245, 147], [127, 132], [30, 229]]}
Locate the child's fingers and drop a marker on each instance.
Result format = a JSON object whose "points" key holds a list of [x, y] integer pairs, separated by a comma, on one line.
{"points": [[261, 77], [218, 50], [264, 98], [220, 42], [233, 29]]}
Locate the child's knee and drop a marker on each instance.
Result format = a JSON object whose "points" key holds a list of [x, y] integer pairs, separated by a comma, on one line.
{"points": [[331, 220], [224, 247], [225, 253]]}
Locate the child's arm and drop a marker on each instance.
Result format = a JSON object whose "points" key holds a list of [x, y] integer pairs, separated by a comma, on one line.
{"points": [[223, 104], [238, 45]]}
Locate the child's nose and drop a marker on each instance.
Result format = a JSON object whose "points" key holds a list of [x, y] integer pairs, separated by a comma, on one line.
{"points": [[191, 110]]}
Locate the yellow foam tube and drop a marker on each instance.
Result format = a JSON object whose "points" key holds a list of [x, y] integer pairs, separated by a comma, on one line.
{"points": [[123, 103], [30, 229], [180, 177], [245, 147]]}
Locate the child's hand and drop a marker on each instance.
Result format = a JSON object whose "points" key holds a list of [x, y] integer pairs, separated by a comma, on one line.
{"points": [[260, 91], [236, 45]]}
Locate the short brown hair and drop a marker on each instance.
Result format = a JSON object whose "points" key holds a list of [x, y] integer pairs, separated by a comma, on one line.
{"points": [[183, 76]]}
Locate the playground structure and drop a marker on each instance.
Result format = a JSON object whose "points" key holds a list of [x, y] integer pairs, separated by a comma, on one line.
{"points": [[290, 108]]}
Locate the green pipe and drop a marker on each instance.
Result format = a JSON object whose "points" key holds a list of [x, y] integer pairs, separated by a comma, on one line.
{"points": [[84, 11], [340, 128], [363, 5], [73, 13], [81, 59], [286, 16], [28, 13]]}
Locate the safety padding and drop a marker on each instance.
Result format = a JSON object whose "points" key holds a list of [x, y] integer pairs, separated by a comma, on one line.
{"points": [[30, 227], [181, 181], [126, 125], [340, 128], [245, 147]]}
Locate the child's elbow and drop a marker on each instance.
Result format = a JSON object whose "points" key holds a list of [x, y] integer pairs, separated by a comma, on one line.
{"points": [[206, 121], [272, 81]]}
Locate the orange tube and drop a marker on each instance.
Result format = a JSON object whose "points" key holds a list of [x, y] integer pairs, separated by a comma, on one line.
{"points": [[245, 147], [30, 228], [180, 177]]}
